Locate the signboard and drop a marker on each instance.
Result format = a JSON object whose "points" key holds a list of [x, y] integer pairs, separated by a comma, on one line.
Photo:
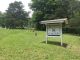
{"points": [[54, 30]]}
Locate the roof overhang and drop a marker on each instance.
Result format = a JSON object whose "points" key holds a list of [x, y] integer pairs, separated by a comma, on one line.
{"points": [[55, 21]]}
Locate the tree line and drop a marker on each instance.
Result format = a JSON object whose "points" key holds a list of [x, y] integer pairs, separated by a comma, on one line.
{"points": [[16, 17]]}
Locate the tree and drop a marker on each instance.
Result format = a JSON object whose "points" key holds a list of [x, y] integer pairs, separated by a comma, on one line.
{"points": [[42, 10], [50, 9], [75, 20], [16, 15], [45, 10], [2, 19]]}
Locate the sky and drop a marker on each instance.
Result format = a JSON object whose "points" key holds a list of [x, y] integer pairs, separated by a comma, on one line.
{"points": [[5, 3]]}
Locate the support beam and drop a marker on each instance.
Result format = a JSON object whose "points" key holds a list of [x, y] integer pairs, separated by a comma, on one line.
{"points": [[46, 33], [61, 42], [61, 36]]}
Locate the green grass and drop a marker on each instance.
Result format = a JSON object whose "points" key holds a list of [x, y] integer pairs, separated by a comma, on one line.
{"points": [[24, 45]]}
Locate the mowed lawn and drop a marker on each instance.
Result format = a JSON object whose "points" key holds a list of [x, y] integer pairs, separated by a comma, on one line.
{"points": [[24, 45]]}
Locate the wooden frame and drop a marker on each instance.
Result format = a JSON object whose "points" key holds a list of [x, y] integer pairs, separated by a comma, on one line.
{"points": [[54, 35]]}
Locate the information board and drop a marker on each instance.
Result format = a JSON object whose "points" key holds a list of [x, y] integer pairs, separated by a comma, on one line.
{"points": [[54, 30]]}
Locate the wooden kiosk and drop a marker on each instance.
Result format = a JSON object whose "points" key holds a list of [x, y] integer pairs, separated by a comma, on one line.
{"points": [[54, 28]]}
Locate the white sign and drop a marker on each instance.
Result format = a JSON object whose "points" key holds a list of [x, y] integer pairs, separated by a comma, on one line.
{"points": [[54, 30]]}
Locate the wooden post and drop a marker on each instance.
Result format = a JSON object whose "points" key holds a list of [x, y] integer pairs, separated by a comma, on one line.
{"points": [[61, 36], [61, 42], [46, 33]]}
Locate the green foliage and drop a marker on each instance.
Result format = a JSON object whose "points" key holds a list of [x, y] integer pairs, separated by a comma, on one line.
{"points": [[75, 20], [2, 19], [42, 9], [37, 17], [53, 9], [16, 16], [50, 9]]}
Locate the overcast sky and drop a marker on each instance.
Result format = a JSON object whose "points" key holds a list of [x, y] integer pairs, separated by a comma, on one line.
{"points": [[5, 3]]}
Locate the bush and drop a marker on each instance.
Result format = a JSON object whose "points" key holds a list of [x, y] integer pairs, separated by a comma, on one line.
{"points": [[71, 30]]}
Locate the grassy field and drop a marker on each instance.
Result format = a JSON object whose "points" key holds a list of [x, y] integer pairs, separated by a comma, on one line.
{"points": [[24, 45]]}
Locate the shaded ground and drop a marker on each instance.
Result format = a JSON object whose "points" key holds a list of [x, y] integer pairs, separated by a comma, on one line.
{"points": [[56, 43]]}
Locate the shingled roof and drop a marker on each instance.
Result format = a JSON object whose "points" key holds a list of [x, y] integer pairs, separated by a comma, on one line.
{"points": [[64, 20]]}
